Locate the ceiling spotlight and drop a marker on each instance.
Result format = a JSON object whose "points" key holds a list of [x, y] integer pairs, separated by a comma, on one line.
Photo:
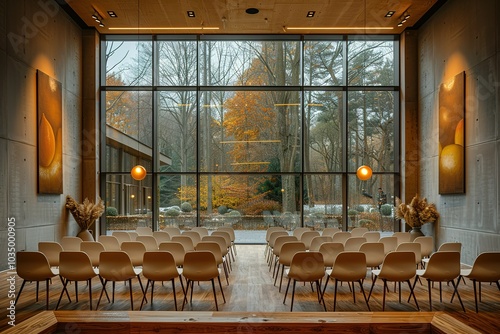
{"points": [[310, 13], [390, 13], [101, 25], [190, 13], [95, 17], [112, 13], [251, 11], [407, 16], [400, 24]]}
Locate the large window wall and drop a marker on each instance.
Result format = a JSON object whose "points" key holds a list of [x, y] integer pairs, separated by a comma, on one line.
{"points": [[251, 131]]}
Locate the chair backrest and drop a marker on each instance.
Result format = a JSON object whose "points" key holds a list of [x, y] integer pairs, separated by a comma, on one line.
{"points": [[398, 266], [341, 237], [229, 230], [274, 235], [349, 266], [486, 267], [203, 231], [426, 245], [211, 246], [93, 249], [372, 236], [374, 252], [159, 266], [307, 236], [144, 230], [390, 244], [280, 241], [195, 236], [224, 234], [358, 231], [75, 266], [116, 266], [288, 250], [307, 266], [161, 236], [219, 239], [70, 243], [450, 247], [353, 243], [273, 229], [443, 266], [172, 230], [51, 251], [411, 247], [402, 237], [174, 248], [317, 241], [200, 266], [135, 251], [33, 266], [133, 235], [299, 230], [330, 231], [330, 251], [185, 240], [121, 236], [109, 242], [149, 242]]}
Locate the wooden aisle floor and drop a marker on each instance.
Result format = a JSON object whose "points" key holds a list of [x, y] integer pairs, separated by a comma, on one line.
{"points": [[251, 289]]}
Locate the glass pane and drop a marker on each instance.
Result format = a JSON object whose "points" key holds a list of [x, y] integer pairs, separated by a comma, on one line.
{"points": [[371, 130], [250, 63], [128, 63], [250, 131], [323, 201], [177, 63], [177, 201], [371, 63], [371, 203], [177, 131], [324, 63], [323, 135], [129, 130], [131, 200]]}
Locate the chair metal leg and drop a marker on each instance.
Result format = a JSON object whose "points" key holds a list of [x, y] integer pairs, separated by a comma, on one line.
{"points": [[221, 291], [430, 293], [215, 295], [131, 296], [318, 288], [64, 282], [100, 296], [385, 288], [458, 294], [335, 296], [364, 295], [47, 294], [19, 293], [144, 295], [371, 289], [185, 295], [412, 292], [175, 296], [293, 295], [90, 292], [286, 292]]}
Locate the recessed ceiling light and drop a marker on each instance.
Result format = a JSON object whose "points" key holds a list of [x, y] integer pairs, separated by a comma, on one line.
{"points": [[252, 11], [95, 17], [112, 13], [190, 13], [310, 13], [390, 13]]}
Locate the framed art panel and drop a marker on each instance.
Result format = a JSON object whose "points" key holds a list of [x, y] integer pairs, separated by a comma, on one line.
{"points": [[452, 136], [49, 130]]}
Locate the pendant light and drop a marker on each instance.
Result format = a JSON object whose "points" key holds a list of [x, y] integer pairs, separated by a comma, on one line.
{"points": [[364, 172]]}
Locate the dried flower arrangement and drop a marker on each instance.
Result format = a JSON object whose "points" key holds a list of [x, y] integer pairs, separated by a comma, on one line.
{"points": [[417, 213], [85, 213]]}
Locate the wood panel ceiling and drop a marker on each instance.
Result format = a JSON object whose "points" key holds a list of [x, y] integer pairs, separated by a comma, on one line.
{"points": [[230, 17]]}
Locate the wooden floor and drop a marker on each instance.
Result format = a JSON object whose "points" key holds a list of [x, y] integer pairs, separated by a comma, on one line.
{"points": [[251, 289]]}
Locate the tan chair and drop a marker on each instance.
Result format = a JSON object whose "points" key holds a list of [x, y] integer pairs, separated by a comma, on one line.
{"points": [[117, 267], [215, 248], [288, 250], [34, 266], [133, 235], [277, 248], [402, 237], [227, 237], [306, 267], [442, 267], [353, 243], [201, 266], [195, 236], [426, 245], [185, 240], [272, 239], [144, 230], [51, 250], [375, 254], [358, 231], [171, 230], [176, 249], [349, 267], [307, 236], [161, 236], [203, 231], [397, 267], [317, 241], [299, 230], [135, 250], [330, 251], [159, 266], [71, 243], [149, 242], [229, 230], [75, 267], [341, 237], [446, 247], [109, 242], [93, 249], [330, 231], [121, 236], [390, 244], [221, 241], [269, 231], [486, 268], [414, 247], [372, 236]]}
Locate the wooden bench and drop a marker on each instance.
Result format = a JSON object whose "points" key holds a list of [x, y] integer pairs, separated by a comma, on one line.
{"points": [[235, 322]]}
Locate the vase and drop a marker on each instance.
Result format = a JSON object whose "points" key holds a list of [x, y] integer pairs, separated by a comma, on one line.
{"points": [[85, 235], [415, 233]]}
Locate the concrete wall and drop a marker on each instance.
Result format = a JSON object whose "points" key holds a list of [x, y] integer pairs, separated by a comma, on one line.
{"points": [[36, 34], [463, 36]]}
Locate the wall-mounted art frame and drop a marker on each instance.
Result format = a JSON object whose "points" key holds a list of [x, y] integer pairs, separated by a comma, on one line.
{"points": [[49, 133], [452, 136]]}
